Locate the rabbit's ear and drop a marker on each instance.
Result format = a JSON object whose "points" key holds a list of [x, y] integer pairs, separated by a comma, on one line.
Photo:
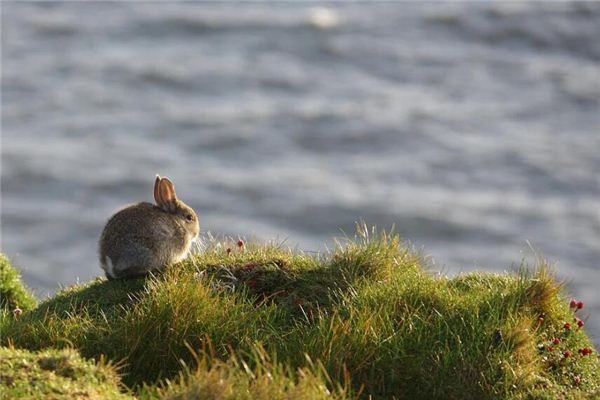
{"points": [[156, 191], [168, 198]]}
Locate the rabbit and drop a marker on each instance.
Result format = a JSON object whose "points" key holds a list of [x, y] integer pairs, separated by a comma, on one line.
{"points": [[145, 237]]}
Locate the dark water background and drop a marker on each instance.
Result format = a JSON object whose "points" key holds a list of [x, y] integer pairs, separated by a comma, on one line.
{"points": [[474, 128]]}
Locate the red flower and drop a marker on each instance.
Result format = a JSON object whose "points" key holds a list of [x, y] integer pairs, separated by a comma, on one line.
{"points": [[573, 303], [580, 323], [555, 340], [567, 326], [585, 351], [17, 311], [567, 354], [577, 380], [550, 348], [579, 305], [240, 243]]}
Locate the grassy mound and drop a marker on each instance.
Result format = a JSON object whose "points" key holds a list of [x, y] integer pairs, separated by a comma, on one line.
{"points": [[55, 374], [369, 315], [13, 294]]}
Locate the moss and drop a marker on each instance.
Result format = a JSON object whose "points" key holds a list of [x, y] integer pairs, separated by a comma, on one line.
{"points": [[369, 313], [13, 293], [55, 374]]}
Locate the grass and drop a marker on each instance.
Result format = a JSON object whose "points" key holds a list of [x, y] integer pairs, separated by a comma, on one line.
{"points": [[261, 321], [55, 374], [233, 379], [13, 293], [63, 374]]}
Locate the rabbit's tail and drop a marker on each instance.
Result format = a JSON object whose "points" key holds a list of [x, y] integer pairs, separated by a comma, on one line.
{"points": [[108, 267]]}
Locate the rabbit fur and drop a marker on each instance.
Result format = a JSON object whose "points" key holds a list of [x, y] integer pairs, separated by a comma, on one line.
{"points": [[146, 237]]}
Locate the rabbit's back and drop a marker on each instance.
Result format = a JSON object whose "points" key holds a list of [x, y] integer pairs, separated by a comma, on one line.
{"points": [[141, 238]]}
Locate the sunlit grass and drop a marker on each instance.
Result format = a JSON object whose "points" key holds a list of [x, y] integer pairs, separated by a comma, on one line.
{"points": [[366, 319], [13, 294], [56, 374]]}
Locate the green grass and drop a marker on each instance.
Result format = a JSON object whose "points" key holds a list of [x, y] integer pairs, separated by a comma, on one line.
{"points": [[63, 374], [55, 374], [233, 379], [368, 319], [13, 293]]}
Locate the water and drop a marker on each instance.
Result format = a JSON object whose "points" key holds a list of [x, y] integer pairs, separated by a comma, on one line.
{"points": [[474, 128]]}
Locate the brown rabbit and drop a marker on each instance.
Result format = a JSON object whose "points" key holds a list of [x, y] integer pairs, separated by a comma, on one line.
{"points": [[145, 237]]}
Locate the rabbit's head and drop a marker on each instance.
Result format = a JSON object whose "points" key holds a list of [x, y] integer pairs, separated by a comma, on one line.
{"points": [[166, 199]]}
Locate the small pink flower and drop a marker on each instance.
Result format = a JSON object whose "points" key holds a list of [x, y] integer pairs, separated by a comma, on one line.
{"points": [[579, 305], [17, 311], [567, 326], [240, 243], [555, 340], [577, 380], [567, 354], [573, 303], [580, 323], [550, 348]]}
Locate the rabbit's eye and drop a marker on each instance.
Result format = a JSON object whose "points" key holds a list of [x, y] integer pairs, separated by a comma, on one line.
{"points": [[189, 217]]}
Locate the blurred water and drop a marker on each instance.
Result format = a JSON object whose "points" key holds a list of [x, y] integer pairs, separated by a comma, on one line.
{"points": [[474, 128]]}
